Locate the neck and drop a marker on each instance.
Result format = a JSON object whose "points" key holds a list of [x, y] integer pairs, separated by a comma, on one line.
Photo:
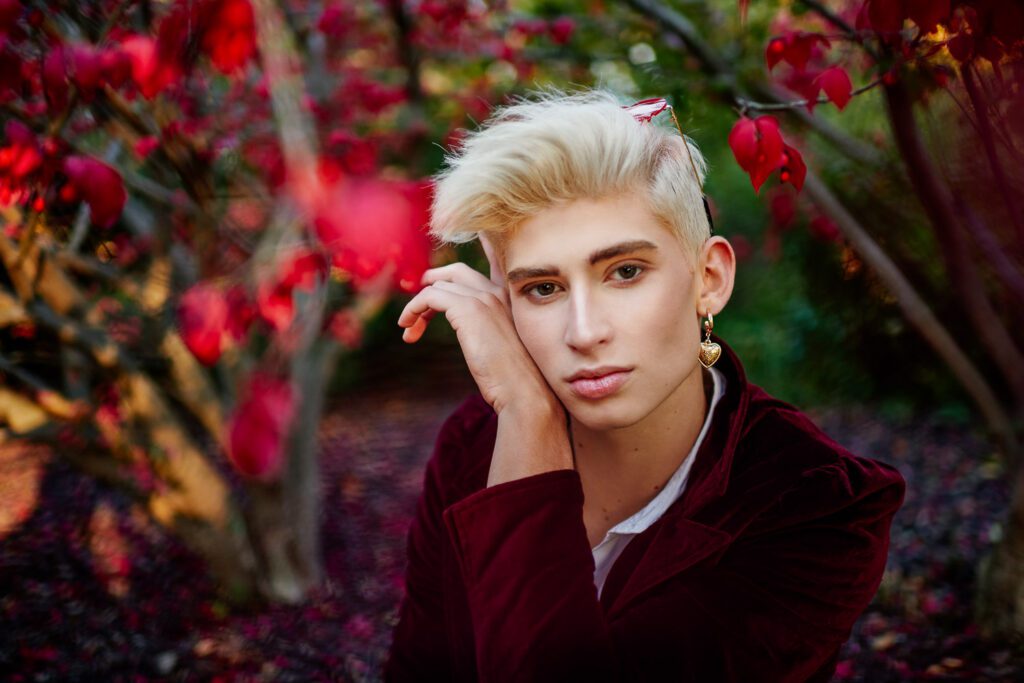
{"points": [[626, 467]]}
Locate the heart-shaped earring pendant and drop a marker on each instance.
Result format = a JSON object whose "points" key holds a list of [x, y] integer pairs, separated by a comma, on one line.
{"points": [[709, 353]]}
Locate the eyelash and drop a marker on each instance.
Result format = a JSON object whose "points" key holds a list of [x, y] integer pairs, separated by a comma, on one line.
{"points": [[528, 291]]}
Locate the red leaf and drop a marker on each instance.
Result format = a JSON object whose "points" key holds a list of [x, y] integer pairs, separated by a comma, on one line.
{"points": [[928, 14], [22, 155], [230, 36], [961, 46], [774, 52], [55, 82], [824, 229], [562, 29], [241, 312], [743, 140], [369, 225], [347, 328], [301, 269], [886, 16], [150, 73], [794, 170], [258, 427], [202, 318], [783, 207], [10, 11], [757, 146], [645, 110], [99, 185], [86, 70], [837, 86]]}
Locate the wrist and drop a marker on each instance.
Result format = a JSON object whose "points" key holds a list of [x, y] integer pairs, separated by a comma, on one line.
{"points": [[533, 437]]}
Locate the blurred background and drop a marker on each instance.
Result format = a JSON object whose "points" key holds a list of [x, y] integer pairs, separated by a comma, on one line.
{"points": [[211, 434]]}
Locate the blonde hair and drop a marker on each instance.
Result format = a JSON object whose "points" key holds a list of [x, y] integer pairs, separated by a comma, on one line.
{"points": [[558, 147]]}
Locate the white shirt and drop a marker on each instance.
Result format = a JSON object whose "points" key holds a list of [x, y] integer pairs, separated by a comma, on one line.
{"points": [[608, 550]]}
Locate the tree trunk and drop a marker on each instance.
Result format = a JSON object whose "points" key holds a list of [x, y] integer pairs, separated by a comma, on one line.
{"points": [[284, 515], [999, 603]]}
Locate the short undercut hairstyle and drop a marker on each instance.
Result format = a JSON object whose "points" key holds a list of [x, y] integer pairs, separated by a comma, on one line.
{"points": [[550, 148]]}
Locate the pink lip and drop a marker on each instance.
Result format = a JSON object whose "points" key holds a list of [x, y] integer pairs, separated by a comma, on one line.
{"points": [[599, 387]]}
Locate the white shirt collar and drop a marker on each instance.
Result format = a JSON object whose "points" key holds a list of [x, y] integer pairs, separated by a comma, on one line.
{"points": [[656, 507]]}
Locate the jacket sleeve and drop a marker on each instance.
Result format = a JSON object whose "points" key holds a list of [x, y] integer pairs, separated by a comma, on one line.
{"points": [[775, 608], [419, 649]]}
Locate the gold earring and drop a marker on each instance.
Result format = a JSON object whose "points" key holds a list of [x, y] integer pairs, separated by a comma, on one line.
{"points": [[709, 350]]}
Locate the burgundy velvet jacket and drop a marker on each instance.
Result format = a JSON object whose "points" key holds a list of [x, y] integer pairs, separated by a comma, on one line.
{"points": [[756, 573]]}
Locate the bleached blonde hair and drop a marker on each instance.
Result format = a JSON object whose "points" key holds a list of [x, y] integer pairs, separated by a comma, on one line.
{"points": [[553, 147]]}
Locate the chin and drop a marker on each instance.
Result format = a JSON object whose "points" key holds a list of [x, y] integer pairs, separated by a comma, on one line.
{"points": [[606, 416]]}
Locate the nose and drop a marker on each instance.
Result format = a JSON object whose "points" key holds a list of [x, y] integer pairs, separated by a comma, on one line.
{"points": [[588, 325]]}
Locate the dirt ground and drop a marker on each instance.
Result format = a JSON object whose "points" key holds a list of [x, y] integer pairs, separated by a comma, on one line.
{"points": [[91, 590]]}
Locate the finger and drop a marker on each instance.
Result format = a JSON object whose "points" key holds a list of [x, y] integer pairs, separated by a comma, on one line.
{"points": [[487, 296], [462, 274], [430, 301], [411, 335]]}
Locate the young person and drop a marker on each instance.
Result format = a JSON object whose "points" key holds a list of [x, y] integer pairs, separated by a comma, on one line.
{"points": [[606, 507]]}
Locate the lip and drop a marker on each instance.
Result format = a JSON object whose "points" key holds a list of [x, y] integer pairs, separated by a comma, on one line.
{"points": [[599, 383]]}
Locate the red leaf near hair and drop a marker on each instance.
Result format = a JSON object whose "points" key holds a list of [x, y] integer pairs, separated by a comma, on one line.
{"points": [[645, 110], [837, 86], [99, 185], [258, 427]]}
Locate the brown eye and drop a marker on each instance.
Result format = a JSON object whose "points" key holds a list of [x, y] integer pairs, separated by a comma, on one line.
{"points": [[630, 271]]}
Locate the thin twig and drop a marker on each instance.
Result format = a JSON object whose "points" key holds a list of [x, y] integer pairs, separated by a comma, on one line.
{"points": [[746, 104]]}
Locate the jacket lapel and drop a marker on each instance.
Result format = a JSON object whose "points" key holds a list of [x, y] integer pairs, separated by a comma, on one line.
{"points": [[677, 541]]}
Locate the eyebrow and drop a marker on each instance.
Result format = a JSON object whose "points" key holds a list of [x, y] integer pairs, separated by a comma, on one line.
{"points": [[598, 256]]}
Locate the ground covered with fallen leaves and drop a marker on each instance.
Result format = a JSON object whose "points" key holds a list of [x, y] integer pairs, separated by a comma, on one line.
{"points": [[90, 589]]}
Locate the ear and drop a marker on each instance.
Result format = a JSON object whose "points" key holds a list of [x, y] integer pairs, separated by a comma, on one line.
{"points": [[493, 260], [716, 268]]}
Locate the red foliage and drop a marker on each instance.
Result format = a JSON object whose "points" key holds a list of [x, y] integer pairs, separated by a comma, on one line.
{"points": [[369, 225], [782, 205], [836, 84], [301, 269], [203, 314], [259, 425], [230, 36], [150, 73], [561, 30], [824, 229], [757, 146], [794, 170], [99, 185], [794, 48], [22, 155]]}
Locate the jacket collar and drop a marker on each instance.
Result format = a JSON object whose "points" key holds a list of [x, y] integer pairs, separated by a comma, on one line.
{"points": [[677, 541]]}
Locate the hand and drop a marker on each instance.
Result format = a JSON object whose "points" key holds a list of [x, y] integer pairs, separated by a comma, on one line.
{"points": [[532, 434], [479, 311]]}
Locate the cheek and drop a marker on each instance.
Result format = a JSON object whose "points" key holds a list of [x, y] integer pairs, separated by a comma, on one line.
{"points": [[536, 333]]}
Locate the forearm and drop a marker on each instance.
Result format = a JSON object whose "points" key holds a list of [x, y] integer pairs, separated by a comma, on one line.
{"points": [[532, 438]]}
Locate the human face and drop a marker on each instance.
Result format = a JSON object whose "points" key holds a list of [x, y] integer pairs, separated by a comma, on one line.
{"points": [[602, 285]]}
